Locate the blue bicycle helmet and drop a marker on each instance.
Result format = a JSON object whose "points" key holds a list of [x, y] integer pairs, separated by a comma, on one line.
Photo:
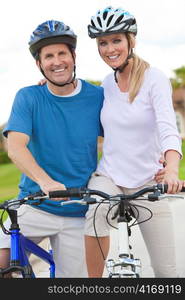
{"points": [[51, 32], [110, 20]]}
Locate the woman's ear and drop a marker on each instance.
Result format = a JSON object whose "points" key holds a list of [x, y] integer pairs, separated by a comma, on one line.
{"points": [[132, 41]]}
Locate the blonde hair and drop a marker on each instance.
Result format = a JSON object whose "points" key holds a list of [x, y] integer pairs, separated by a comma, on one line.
{"points": [[137, 72]]}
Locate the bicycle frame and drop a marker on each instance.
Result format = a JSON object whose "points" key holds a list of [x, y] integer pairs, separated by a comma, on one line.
{"points": [[20, 247], [126, 265]]}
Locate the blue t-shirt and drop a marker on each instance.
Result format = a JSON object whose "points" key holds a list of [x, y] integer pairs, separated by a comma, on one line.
{"points": [[63, 135]]}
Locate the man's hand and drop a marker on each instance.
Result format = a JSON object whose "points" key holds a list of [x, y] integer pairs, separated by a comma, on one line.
{"points": [[52, 185]]}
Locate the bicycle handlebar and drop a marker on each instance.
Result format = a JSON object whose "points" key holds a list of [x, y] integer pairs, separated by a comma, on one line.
{"points": [[157, 189], [76, 192], [81, 192]]}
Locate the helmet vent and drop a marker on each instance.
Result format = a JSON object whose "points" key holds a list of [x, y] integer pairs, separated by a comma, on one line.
{"points": [[109, 20], [56, 26], [99, 21], [105, 15], [92, 22], [134, 22], [119, 19]]}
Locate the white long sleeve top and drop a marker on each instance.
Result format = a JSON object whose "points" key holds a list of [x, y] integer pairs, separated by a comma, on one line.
{"points": [[135, 134]]}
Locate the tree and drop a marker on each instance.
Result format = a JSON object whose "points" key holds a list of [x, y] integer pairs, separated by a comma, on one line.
{"points": [[1, 139], [94, 82], [179, 79]]}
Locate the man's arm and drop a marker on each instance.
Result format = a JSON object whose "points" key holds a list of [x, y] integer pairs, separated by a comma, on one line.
{"points": [[24, 160]]}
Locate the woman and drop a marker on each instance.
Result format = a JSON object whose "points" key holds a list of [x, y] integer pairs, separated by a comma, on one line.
{"points": [[139, 122]]}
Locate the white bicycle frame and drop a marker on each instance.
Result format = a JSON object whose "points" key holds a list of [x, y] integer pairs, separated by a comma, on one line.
{"points": [[125, 266]]}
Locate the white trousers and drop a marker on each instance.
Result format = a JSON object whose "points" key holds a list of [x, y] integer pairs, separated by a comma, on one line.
{"points": [[157, 232], [66, 236]]}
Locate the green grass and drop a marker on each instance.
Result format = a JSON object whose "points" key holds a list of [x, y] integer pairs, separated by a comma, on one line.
{"points": [[182, 163], [9, 180]]}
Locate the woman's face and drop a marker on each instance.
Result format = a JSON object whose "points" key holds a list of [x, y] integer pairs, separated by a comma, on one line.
{"points": [[113, 49]]}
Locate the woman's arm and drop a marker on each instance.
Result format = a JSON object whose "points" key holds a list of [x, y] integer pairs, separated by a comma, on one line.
{"points": [[161, 98], [172, 158]]}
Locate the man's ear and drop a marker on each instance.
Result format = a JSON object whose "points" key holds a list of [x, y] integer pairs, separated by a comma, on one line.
{"points": [[74, 54], [38, 63]]}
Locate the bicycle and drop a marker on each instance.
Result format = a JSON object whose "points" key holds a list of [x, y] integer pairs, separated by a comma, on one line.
{"points": [[21, 245], [125, 266]]}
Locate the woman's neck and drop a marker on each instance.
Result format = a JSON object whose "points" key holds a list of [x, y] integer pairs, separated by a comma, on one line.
{"points": [[123, 78]]}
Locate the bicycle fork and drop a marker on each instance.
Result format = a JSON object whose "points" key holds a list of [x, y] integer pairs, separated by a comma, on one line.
{"points": [[15, 250], [126, 265]]}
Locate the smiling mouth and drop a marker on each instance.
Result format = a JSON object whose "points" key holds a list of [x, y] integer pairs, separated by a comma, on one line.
{"points": [[113, 57], [59, 70]]}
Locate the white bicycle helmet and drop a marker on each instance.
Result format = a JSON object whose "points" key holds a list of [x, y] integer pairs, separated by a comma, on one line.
{"points": [[110, 20]]}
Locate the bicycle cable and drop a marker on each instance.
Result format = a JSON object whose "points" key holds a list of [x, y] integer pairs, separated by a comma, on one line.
{"points": [[94, 226], [6, 231], [110, 208], [130, 205], [145, 220]]}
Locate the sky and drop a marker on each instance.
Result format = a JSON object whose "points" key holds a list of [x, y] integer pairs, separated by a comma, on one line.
{"points": [[160, 38]]}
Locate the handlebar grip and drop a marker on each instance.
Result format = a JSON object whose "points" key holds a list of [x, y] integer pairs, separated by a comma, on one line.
{"points": [[166, 188], [69, 192]]}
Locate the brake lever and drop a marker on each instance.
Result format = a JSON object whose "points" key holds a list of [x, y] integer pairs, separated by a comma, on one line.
{"points": [[90, 200], [154, 196]]}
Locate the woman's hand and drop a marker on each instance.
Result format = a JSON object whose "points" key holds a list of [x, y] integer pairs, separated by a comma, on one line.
{"points": [[42, 81], [159, 176], [169, 176], [174, 183]]}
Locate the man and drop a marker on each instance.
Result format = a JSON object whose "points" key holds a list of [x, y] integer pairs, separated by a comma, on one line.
{"points": [[52, 138]]}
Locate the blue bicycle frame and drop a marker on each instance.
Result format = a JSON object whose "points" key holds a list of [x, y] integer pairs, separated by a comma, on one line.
{"points": [[21, 246]]}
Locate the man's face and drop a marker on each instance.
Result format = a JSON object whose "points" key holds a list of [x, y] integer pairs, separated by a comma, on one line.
{"points": [[57, 63]]}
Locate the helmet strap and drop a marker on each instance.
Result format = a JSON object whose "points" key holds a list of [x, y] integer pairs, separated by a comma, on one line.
{"points": [[121, 68], [72, 81]]}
